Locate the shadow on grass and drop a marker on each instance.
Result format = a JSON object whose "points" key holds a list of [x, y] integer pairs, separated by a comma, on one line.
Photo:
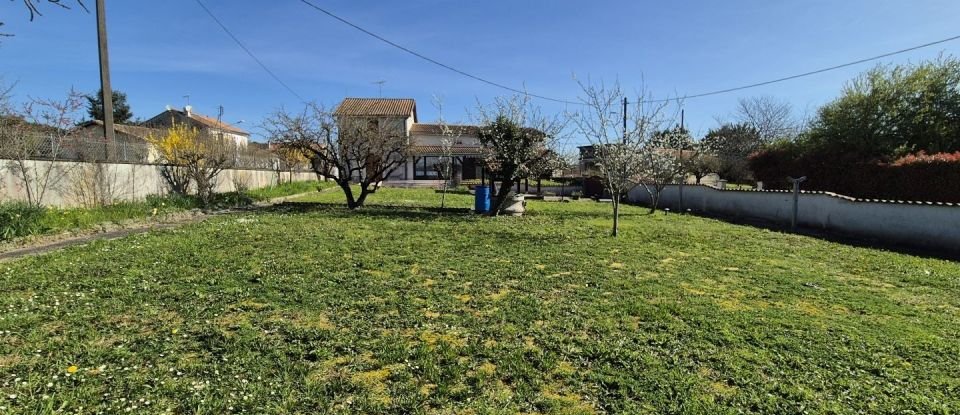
{"points": [[421, 213], [372, 210], [837, 237]]}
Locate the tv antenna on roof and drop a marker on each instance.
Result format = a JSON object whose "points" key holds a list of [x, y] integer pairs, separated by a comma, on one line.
{"points": [[379, 87], [187, 97]]}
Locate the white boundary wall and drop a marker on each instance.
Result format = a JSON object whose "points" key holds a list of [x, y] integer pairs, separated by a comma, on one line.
{"points": [[130, 181], [935, 225]]}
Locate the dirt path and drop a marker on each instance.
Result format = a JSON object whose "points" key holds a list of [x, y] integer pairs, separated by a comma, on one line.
{"points": [[49, 243], [43, 247]]}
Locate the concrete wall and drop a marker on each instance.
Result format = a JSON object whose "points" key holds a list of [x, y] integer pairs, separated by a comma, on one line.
{"points": [[129, 181], [913, 223]]}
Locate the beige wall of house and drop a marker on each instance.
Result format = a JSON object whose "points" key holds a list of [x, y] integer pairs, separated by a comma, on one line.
{"points": [[128, 181], [436, 140]]}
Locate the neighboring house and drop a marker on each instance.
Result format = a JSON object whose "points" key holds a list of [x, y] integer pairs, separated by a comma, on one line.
{"points": [[131, 144], [588, 160], [93, 130], [205, 124], [400, 115]]}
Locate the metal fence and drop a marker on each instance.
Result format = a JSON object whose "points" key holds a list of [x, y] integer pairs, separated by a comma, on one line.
{"points": [[82, 149]]}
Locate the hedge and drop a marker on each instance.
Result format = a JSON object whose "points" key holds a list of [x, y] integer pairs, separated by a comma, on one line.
{"points": [[917, 177]]}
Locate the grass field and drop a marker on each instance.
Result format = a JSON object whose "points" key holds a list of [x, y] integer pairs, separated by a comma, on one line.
{"points": [[310, 308], [19, 220]]}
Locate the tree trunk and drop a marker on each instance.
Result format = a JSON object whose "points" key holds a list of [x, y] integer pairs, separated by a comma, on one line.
{"points": [[616, 217], [363, 197], [443, 196], [348, 193], [501, 198]]}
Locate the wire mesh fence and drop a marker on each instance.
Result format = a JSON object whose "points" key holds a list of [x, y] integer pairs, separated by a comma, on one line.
{"points": [[52, 147]]}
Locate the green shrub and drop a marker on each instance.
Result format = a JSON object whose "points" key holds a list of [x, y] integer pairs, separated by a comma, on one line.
{"points": [[20, 219], [172, 201]]}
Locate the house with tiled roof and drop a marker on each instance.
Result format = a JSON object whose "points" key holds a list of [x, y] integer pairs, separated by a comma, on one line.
{"points": [[131, 143], [426, 139], [206, 124]]}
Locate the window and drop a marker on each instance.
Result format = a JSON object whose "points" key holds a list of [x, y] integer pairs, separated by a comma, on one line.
{"points": [[425, 168]]}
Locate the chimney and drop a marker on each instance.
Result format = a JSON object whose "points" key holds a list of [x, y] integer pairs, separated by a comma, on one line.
{"points": [[188, 109]]}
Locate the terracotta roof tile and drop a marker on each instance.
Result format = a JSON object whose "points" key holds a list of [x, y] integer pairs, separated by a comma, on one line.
{"points": [[400, 107], [135, 131], [212, 123]]}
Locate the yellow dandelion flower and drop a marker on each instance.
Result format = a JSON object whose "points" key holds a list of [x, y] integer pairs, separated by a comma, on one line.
{"points": [[72, 369]]}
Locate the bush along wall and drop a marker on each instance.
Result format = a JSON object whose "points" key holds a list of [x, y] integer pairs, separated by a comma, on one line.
{"points": [[918, 177]]}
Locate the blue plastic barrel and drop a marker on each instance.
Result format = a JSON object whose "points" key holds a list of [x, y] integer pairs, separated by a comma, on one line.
{"points": [[481, 202]]}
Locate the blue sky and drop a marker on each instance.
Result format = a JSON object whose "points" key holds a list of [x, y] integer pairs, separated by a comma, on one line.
{"points": [[161, 51]]}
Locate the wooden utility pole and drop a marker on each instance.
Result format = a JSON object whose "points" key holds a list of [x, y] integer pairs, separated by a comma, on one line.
{"points": [[105, 90], [624, 119], [683, 171]]}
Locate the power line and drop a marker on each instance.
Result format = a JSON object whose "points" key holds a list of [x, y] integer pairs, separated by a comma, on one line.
{"points": [[565, 101], [818, 71], [434, 61], [247, 50]]}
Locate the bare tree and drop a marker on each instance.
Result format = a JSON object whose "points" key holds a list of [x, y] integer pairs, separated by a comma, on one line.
{"points": [[241, 181], [730, 145], [94, 184], [5, 93], [189, 155], [206, 164], [660, 167], [624, 151], [288, 160], [545, 166], [346, 149], [448, 136], [38, 131], [772, 118], [700, 162], [33, 7], [568, 162], [6, 116], [515, 135]]}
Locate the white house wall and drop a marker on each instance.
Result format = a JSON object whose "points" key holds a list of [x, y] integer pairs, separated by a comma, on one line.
{"points": [[436, 140]]}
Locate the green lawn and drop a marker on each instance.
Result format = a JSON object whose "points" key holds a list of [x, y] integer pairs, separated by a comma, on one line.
{"points": [[19, 220], [315, 309]]}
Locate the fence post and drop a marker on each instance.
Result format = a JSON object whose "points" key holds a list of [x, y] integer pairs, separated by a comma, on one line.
{"points": [[680, 198], [796, 200]]}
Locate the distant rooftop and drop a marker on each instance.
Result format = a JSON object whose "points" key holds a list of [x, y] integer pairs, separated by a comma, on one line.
{"points": [[382, 107], [208, 122]]}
